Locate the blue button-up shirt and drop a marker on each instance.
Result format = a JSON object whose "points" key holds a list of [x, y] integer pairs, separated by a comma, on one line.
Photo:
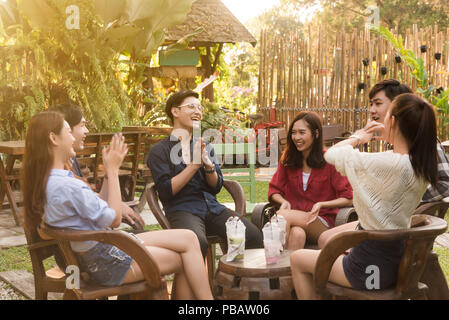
{"points": [[72, 204], [196, 197]]}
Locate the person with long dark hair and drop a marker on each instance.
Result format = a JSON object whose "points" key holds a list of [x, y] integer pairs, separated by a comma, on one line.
{"points": [[53, 195], [387, 188], [308, 190]]}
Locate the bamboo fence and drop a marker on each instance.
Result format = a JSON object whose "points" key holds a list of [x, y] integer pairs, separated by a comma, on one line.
{"points": [[333, 79]]}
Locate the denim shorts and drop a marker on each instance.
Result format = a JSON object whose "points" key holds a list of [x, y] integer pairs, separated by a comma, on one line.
{"points": [[324, 222], [106, 264]]}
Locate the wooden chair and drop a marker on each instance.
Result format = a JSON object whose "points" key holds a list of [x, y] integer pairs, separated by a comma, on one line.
{"points": [[433, 276], [152, 287], [437, 208], [334, 133], [40, 250], [419, 239], [236, 191]]}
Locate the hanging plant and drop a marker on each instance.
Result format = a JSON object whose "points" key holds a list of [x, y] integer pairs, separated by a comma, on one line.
{"points": [[365, 62], [439, 90], [383, 70], [423, 48], [398, 59], [437, 55]]}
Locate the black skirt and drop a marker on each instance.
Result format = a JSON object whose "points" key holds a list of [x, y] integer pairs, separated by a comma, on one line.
{"points": [[373, 264]]}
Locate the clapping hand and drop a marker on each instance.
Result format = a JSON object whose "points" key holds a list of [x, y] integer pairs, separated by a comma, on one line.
{"points": [[205, 156], [114, 153], [200, 148]]}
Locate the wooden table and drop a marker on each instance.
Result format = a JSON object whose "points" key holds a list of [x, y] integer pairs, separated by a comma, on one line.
{"points": [[15, 151], [252, 279]]}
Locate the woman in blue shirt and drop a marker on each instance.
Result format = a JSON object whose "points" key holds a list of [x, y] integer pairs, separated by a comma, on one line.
{"points": [[53, 194]]}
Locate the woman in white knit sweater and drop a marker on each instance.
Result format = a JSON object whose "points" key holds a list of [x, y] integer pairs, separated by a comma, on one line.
{"points": [[387, 186]]}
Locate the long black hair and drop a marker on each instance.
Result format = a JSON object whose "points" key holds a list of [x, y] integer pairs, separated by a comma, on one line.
{"points": [[417, 123], [294, 158]]}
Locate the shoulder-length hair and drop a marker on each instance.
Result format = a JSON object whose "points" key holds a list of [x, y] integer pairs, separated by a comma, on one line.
{"points": [[294, 158], [417, 124], [37, 164]]}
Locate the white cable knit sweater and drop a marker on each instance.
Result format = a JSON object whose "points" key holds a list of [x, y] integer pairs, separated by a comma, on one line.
{"points": [[386, 189]]}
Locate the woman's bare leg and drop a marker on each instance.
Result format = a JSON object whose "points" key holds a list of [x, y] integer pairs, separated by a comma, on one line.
{"points": [[325, 236], [185, 245], [168, 262], [293, 218], [314, 230], [296, 239], [297, 218], [303, 267]]}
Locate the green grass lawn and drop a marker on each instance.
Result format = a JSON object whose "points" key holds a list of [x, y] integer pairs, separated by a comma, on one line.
{"points": [[261, 193]]}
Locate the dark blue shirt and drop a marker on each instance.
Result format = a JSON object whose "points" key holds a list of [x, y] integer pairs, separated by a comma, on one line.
{"points": [[76, 167], [197, 197]]}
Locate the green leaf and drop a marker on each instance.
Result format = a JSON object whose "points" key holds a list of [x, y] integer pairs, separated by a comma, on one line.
{"points": [[39, 12], [122, 32]]}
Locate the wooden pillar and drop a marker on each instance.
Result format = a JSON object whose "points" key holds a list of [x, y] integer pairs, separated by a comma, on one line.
{"points": [[209, 67]]}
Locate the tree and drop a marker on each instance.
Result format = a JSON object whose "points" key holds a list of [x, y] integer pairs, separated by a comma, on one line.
{"points": [[240, 67], [79, 50], [392, 13], [282, 19]]}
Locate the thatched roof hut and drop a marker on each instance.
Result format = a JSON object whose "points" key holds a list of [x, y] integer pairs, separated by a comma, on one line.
{"points": [[219, 24]]}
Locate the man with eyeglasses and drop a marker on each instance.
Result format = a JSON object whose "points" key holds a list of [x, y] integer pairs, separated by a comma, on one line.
{"points": [[188, 182]]}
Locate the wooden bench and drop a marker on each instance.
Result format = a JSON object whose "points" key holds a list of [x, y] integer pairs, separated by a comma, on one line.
{"points": [[91, 157]]}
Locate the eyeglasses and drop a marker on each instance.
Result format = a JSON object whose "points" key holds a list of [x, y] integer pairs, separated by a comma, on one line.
{"points": [[192, 107]]}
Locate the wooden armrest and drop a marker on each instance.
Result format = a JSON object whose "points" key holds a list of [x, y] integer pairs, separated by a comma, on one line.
{"points": [[237, 194], [122, 240], [424, 208], [153, 203], [257, 215], [331, 251], [42, 244]]}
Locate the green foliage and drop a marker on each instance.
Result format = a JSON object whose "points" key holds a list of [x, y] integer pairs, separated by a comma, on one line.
{"points": [[156, 116], [281, 19], [416, 64], [215, 116], [45, 62], [392, 13]]}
